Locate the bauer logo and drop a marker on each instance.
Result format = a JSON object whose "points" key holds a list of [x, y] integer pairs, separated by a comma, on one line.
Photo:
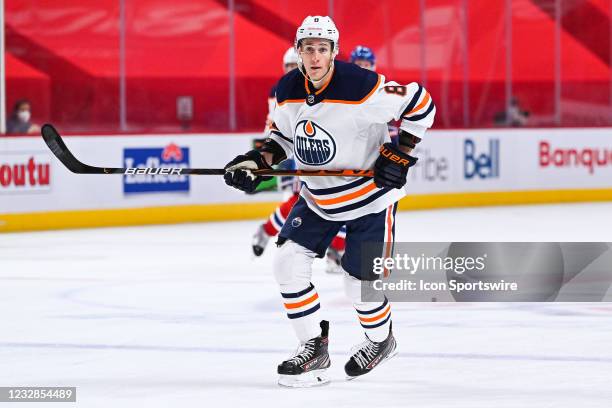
{"points": [[169, 157], [24, 172], [313, 145], [481, 160]]}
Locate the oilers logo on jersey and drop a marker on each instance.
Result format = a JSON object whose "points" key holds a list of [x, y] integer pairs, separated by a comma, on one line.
{"points": [[343, 128], [313, 145]]}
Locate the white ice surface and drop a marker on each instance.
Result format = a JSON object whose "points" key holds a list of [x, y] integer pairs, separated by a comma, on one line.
{"points": [[182, 316]]}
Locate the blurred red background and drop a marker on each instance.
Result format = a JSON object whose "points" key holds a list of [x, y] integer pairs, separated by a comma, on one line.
{"points": [[64, 57]]}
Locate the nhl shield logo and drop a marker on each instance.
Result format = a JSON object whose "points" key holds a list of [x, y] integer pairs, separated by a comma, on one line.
{"points": [[313, 145]]}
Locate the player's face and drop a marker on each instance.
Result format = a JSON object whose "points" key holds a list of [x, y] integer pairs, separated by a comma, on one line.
{"points": [[290, 67], [365, 64], [316, 55]]}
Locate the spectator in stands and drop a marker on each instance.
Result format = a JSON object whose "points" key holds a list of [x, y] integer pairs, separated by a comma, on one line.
{"points": [[515, 116], [20, 120]]}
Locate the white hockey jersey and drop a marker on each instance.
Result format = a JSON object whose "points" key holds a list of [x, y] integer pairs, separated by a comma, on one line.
{"points": [[341, 126]]}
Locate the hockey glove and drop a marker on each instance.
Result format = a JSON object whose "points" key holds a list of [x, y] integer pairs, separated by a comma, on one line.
{"points": [[238, 172], [392, 166]]}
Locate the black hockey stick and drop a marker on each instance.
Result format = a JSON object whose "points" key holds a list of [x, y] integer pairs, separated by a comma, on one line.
{"points": [[60, 150]]}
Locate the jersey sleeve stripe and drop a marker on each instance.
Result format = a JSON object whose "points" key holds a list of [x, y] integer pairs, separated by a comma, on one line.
{"points": [[413, 101], [421, 105], [422, 115]]}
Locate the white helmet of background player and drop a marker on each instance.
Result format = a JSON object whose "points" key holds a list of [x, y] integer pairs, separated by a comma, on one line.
{"points": [[290, 60], [317, 27]]}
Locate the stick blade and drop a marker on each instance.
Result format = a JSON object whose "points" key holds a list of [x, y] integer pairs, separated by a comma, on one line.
{"points": [[57, 146]]}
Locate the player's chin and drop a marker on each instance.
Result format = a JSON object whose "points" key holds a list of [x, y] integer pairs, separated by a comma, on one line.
{"points": [[316, 73]]}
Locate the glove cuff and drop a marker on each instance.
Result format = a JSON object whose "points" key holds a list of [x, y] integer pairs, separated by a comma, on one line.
{"points": [[271, 146], [394, 154], [256, 156]]}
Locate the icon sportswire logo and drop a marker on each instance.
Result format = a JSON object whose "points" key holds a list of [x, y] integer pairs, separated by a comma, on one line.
{"points": [[313, 145]]}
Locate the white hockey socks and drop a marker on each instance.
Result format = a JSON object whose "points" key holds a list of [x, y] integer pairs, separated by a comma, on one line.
{"points": [[374, 317], [293, 270]]}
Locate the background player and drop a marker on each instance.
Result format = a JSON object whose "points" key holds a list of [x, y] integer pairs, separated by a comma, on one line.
{"points": [[364, 57], [290, 62], [334, 115], [289, 185], [291, 188]]}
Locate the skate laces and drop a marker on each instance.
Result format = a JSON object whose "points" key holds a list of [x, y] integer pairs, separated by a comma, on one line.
{"points": [[304, 353], [365, 353]]}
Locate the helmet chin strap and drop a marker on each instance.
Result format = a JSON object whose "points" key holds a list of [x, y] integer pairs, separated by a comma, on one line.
{"points": [[316, 82]]}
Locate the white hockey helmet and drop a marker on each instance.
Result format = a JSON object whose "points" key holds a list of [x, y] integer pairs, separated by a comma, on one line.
{"points": [[318, 27], [290, 56]]}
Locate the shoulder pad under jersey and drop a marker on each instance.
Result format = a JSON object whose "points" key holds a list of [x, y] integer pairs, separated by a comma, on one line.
{"points": [[291, 87], [351, 83]]}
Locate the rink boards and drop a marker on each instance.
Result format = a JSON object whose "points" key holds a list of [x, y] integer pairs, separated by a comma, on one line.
{"points": [[455, 168]]}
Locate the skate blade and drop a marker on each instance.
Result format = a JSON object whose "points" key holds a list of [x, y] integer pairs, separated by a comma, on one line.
{"points": [[313, 378], [389, 357]]}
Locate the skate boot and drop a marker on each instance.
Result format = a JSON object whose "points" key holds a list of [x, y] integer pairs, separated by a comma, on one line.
{"points": [[370, 354], [333, 257], [260, 240], [307, 367]]}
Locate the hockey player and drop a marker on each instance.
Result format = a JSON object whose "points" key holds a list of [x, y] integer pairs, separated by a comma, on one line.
{"points": [[364, 57], [291, 188], [333, 115], [290, 62]]}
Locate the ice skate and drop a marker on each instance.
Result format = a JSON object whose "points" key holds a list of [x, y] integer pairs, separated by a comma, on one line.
{"points": [[307, 368], [370, 354], [260, 240]]}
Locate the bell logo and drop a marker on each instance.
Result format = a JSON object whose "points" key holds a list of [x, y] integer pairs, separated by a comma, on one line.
{"points": [[483, 164], [313, 145]]}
